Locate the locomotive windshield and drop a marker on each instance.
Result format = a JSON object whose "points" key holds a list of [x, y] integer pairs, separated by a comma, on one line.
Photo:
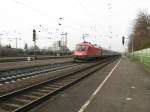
{"points": [[81, 48]]}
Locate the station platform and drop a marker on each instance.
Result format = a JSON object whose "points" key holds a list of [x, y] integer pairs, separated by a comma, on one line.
{"points": [[126, 90]]}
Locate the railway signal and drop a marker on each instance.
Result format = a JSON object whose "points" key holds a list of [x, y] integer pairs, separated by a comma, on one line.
{"points": [[34, 35], [34, 40], [123, 40]]}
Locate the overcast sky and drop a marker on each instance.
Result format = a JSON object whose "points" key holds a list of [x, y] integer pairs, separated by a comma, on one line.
{"points": [[98, 18]]}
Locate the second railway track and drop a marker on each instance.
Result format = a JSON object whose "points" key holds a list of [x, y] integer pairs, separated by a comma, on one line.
{"points": [[18, 74], [17, 59], [27, 98]]}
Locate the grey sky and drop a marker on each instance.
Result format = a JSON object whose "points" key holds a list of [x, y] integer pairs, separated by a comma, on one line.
{"points": [[96, 17]]}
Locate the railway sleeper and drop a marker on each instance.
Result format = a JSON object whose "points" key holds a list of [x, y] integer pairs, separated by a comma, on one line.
{"points": [[22, 100], [31, 96], [60, 84], [55, 86], [44, 90], [28, 97], [48, 88], [10, 106], [17, 101], [37, 93]]}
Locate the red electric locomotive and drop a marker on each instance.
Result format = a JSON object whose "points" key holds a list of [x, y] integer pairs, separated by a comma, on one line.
{"points": [[86, 51]]}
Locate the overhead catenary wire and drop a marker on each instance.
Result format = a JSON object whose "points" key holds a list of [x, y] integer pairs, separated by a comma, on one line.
{"points": [[89, 13], [95, 31], [29, 7], [42, 13]]}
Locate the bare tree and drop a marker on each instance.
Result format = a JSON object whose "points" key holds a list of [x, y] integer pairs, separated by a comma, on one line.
{"points": [[140, 32]]}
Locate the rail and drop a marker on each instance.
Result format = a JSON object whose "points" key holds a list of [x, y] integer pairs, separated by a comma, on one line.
{"points": [[15, 75]]}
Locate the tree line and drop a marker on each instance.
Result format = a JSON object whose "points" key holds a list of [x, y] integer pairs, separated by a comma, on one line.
{"points": [[140, 35], [8, 51]]}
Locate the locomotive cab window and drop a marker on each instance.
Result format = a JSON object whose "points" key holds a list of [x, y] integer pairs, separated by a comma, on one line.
{"points": [[81, 48]]}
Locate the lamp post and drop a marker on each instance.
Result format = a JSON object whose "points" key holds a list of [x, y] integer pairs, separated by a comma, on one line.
{"points": [[65, 43], [61, 40], [132, 41], [16, 39]]}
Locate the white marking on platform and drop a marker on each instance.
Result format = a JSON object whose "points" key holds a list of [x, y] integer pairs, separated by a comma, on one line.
{"points": [[82, 109], [128, 99], [133, 87]]}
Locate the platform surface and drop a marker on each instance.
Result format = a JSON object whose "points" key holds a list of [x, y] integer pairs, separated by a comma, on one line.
{"points": [[127, 90]]}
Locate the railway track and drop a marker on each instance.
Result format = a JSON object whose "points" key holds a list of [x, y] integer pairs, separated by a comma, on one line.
{"points": [[27, 98], [24, 73], [16, 59]]}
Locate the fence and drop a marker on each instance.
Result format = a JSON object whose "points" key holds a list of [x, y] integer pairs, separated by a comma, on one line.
{"points": [[142, 56]]}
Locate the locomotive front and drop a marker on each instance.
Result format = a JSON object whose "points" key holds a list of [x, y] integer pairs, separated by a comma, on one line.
{"points": [[80, 52]]}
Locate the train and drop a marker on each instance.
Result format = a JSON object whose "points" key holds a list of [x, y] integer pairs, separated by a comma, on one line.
{"points": [[86, 51]]}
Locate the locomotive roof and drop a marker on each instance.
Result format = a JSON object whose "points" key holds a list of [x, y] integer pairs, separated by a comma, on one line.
{"points": [[88, 44], [84, 43]]}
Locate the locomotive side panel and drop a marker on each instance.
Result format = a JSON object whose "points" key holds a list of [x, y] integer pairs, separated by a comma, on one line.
{"points": [[93, 52]]}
